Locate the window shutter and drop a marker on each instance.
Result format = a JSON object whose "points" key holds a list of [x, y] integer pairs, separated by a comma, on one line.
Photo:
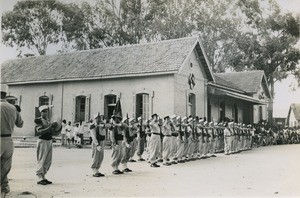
{"points": [[74, 110], [145, 106], [87, 107], [133, 105]]}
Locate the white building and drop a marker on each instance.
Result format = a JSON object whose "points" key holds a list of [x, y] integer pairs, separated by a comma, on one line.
{"points": [[293, 118], [167, 77]]}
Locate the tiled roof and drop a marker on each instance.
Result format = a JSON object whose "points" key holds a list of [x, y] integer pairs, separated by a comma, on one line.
{"points": [[164, 56], [247, 81]]}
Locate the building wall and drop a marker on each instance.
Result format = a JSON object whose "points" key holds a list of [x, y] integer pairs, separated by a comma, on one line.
{"points": [[292, 120], [256, 107], [160, 89], [183, 89]]}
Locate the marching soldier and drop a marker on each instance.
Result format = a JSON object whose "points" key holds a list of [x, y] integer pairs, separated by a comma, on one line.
{"points": [[201, 138], [155, 142], [191, 140], [141, 138], [167, 140], [228, 137], [180, 140], [117, 136], [126, 144], [134, 144], [186, 137], [98, 131], [173, 155]]}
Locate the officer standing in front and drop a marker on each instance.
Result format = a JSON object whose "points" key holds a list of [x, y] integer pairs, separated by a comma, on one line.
{"points": [[9, 118]]}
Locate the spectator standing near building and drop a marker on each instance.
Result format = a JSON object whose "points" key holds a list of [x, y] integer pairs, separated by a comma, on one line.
{"points": [[68, 131], [63, 132], [10, 118]]}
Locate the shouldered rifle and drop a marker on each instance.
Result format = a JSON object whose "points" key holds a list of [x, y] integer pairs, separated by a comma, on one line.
{"points": [[180, 130]]}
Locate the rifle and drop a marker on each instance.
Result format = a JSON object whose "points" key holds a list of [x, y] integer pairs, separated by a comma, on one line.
{"points": [[193, 130], [180, 134]]}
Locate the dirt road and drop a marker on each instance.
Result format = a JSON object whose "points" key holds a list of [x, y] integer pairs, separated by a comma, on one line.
{"points": [[262, 172]]}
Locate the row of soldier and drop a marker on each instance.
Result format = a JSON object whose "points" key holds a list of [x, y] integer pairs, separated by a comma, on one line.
{"points": [[170, 140]]}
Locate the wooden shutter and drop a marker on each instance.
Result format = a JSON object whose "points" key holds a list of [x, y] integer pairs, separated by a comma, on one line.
{"points": [[134, 105], [87, 108], [145, 106]]}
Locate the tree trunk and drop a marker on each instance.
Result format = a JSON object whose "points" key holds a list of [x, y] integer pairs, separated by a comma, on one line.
{"points": [[270, 102]]}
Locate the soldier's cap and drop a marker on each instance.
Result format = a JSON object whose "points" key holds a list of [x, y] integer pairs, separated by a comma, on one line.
{"points": [[221, 124], [190, 119], [215, 124], [244, 125], [153, 115], [139, 118], [178, 117], [166, 117], [131, 119], [201, 120], [230, 123], [43, 107], [184, 118], [249, 125], [205, 123], [4, 88], [124, 119], [173, 116], [211, 123]]}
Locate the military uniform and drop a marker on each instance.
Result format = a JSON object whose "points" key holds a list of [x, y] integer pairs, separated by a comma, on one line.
{"points": [[10, 118], [155, 141], [97, 131]]}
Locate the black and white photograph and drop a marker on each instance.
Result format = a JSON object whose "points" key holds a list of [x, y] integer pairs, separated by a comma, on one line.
{"points": [[150, 98]]}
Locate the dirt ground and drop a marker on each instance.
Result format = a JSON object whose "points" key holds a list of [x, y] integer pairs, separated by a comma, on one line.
{"points": [[262, 172]]}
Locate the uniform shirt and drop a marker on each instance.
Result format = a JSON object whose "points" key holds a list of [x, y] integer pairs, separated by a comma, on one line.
{"points": [[43, 129], [226, 132], [166, 129], [9, 118], [64, 127], [68, 130], [154, 127]]}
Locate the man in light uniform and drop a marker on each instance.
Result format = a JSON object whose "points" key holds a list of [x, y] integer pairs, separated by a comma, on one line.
{"points": [[167, 140], [227, 138], [155, 142], [97, 131], [134, 144], [173, 155], [10, 118], [45, 129], [126, 144], [117, 137], [141, 138], [180, 140]]}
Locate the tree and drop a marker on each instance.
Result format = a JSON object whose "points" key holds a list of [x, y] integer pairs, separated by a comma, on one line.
{"points": [[269, 44], [33, 25]]}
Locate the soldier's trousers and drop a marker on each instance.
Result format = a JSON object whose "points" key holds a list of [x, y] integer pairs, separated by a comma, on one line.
{"points": [[173, 147], [180, 148], [125, 154], [154, 147], [117, 154], [7, 150], [134, 146], [44, 157], [167, 148], [97, 156], [186, 148], [140, 146], [191, 147], [227, 144], [200, 147]]}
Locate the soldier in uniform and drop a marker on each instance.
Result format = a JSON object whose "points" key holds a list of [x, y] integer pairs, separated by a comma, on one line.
{"points": [[117, 134], [201, 138], [10, 117], [45, 129], [134, 144], [173, 155], [191, 139], [126, 143], [155, 142], [228, 138], [180, 140], [167, 140], [98, 131], [141, 138], [186, 137]]}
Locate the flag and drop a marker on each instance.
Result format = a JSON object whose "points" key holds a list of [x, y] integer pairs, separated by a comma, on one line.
{"points": [[118, 110]]}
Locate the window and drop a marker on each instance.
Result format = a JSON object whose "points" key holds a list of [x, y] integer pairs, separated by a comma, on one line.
{"points": [[260, 113], [142, 105], [109, 105], [12, 100], [192, 104], [80, 108]]}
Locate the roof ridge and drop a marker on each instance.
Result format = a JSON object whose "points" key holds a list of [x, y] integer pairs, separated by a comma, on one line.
{"points": [[240, 72], [107, 48]]}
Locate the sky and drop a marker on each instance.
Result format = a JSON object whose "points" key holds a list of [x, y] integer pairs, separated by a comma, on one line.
{"points": [[284, 95]]}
